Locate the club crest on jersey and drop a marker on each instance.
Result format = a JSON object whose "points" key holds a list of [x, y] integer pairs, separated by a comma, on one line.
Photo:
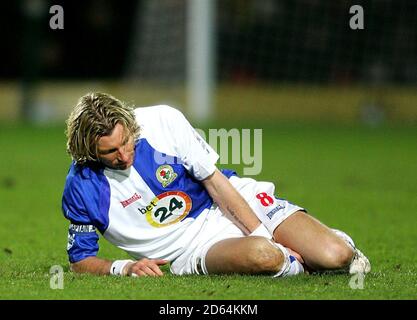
{"points": [[165, 175]]}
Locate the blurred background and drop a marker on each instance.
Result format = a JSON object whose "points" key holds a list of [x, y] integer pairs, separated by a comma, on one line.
{"points": [[336, 105], [213, 59]]}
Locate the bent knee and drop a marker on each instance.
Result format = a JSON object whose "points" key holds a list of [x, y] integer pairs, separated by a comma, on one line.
{"points": [[264, 256], [338, 256]]}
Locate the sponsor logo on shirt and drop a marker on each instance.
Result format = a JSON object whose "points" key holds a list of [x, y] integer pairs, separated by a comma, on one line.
{"points": [[165, 175], [271, 213], [82, 228], [167, 208], [71, 240], [132, 199]]}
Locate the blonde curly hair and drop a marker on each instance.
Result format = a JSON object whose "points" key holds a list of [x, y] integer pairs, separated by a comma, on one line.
{"points": [[95, 115]]}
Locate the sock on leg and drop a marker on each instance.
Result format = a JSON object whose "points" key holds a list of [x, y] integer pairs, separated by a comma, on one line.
{"points": [[360, 263], [291, 265]]}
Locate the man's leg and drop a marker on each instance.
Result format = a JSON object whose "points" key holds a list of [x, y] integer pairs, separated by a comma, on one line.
{"points": [[318, 245], [250, 255]]}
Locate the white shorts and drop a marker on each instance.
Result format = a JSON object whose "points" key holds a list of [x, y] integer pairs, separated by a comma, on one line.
{"points": [[260, 196]]}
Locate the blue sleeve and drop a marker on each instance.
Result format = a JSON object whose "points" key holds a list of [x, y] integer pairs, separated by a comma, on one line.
{"points": [[82, 242], [84, 207]]}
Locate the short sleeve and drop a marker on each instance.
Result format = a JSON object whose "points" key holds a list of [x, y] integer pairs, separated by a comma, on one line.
{"points": [[81, 206], [82, 242], [196, 155]]}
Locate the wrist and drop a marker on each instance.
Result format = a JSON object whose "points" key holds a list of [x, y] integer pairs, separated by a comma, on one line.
{"points": [[261, 231], [119, 267]]}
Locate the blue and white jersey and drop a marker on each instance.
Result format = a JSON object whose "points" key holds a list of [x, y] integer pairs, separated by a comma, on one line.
{"points": [[152, 209]]}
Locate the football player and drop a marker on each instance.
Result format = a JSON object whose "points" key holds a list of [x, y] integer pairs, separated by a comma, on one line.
{"points": [[147, 182]]}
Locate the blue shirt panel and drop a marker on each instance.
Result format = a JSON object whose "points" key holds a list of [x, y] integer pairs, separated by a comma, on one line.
{"points": [[86, 197], [147, 165], [85, 201], [82, 245]]}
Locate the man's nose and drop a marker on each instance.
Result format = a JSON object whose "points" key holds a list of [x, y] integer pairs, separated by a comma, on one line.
{"points": [[123, 154]]}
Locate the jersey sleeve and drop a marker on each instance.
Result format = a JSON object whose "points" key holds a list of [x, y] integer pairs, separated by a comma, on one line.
{"points": [[82, 242], [82, 233], [196, 155]]}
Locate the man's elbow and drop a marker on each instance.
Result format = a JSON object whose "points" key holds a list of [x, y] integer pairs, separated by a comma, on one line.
{"points": [[91, 265], [82, 266]]}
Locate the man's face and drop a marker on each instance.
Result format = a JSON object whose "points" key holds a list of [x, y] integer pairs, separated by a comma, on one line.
{"points": [[116, 150]]}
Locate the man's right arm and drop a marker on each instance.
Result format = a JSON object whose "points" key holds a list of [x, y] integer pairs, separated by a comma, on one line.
{"points": [[142, 267], [92, 265]]}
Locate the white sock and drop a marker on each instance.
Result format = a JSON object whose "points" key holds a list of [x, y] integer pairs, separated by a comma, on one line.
{"points": [[291, 265], [360, 263], [345, 237]]}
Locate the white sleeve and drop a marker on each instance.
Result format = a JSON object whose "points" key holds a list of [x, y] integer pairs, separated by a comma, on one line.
{"points": [[196, 155]]}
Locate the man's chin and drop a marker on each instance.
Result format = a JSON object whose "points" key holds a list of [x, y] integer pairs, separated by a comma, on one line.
{"points": [[123, 166]]}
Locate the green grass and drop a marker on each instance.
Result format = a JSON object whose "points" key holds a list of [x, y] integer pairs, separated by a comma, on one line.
{"points": [[357, 179]]}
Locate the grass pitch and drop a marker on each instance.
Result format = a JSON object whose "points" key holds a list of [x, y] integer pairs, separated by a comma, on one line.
{"points": [[360, 180]]}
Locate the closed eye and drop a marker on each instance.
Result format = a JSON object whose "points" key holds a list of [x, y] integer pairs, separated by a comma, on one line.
{"points": [[104, 152]]}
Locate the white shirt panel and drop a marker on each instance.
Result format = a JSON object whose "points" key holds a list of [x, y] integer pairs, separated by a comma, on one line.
{"points": [[128, 228], [168, 131]]}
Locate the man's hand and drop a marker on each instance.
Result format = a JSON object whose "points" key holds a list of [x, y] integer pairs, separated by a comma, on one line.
{"points": [[145, 267]]}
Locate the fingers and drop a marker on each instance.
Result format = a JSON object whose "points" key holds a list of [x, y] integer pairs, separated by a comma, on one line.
{"points": [[147, 267], [144, 273], [153, 270]]}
